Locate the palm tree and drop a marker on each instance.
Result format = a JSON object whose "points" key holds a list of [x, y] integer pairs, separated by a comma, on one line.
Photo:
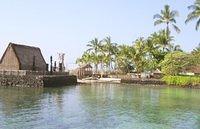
{"points": [[138, 54], [109, 49], [161, 39], [94, 47], [195, 14], [123, 59], [167, 17], [173, 47], [85, 59]]}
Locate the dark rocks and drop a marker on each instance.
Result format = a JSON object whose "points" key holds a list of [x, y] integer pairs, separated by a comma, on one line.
{"points": [[144, 81]]}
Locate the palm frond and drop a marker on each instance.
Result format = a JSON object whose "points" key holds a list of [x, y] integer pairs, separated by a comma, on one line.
{"points": [[191, 16], [193, 7], [198, 24], [166, 16], [195, 14], [176, 28], [158, 22], [167, 8], [174, 13], [89, 45], [172, 20], [157, 16], [197, 2]]}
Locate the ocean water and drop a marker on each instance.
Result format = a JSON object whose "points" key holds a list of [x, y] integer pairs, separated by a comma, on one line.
{"points": [[100, 106]]}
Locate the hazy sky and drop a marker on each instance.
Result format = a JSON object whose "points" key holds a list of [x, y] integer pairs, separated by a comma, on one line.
{"points": [[67, 25]]}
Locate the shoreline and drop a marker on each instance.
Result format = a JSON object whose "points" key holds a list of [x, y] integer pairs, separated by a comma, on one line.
{"points": [[101, 80], [138, 82]]}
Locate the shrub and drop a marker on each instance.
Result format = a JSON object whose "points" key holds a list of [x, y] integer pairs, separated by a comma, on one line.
{"points": [[182, 80]]}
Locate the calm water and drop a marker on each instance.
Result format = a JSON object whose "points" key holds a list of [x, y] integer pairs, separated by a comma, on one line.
{"points": [[102, 106]]}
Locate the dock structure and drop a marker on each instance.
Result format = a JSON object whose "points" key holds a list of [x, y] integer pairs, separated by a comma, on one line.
{"points": [[25, 66]]}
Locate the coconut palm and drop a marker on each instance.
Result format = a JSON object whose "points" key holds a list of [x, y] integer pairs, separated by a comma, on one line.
{"points": [[138, 54], [94, 45], [173, 47], [109, 50], [167, 17], [79, 61], [85, 59], [123, 59], [94, 48], [164, 39], [161, 39], [195, 14]]}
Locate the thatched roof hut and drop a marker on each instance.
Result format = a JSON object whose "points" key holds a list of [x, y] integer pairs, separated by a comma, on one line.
{"points": [[84, 71], [157, 71], [194, 69], [22, 57], [157, 74], [86, 66]]}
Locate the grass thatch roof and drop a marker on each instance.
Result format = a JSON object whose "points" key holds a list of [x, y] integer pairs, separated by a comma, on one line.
{"points": [[26, 56], [194, 69]]}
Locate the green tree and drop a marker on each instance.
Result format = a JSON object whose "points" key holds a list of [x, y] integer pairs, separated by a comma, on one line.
{"points": [[94, 45], [195, 56], [138, 54], [109, 49], [194, 14], [153, 55], [86, 58], [167, 17], [157, 46], [161, 39], [173, 47], [175, 62], [94, 49], [124, 61]]}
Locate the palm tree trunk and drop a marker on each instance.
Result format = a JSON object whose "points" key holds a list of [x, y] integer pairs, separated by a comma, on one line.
{"points": [[168, 32], [102, 70], [96, 68]]}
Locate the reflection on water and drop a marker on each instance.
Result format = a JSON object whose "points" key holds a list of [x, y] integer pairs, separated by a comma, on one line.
{"points": [[99, 106]]}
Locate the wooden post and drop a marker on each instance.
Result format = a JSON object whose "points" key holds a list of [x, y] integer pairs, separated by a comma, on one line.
{"points": [[51, 67], [33, 67], [54, 68]]}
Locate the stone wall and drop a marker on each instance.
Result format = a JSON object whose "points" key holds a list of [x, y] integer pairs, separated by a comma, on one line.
{"points": [[30, 72], [21, 81], [59, 80], [37, 81]]}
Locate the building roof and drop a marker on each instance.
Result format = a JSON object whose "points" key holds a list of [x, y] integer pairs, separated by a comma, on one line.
{"points": [[26, 54], [194, 69], [157, 71], [85, 66]]}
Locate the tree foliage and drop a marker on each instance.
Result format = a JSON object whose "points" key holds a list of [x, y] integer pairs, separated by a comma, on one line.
{"points": [[177, 62], [194, 14], [157, 51], [174, 62], [142, 55], [167, 17]]}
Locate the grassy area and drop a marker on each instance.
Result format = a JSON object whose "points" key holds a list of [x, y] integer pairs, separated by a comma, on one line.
{"points": [[182, 80]]}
